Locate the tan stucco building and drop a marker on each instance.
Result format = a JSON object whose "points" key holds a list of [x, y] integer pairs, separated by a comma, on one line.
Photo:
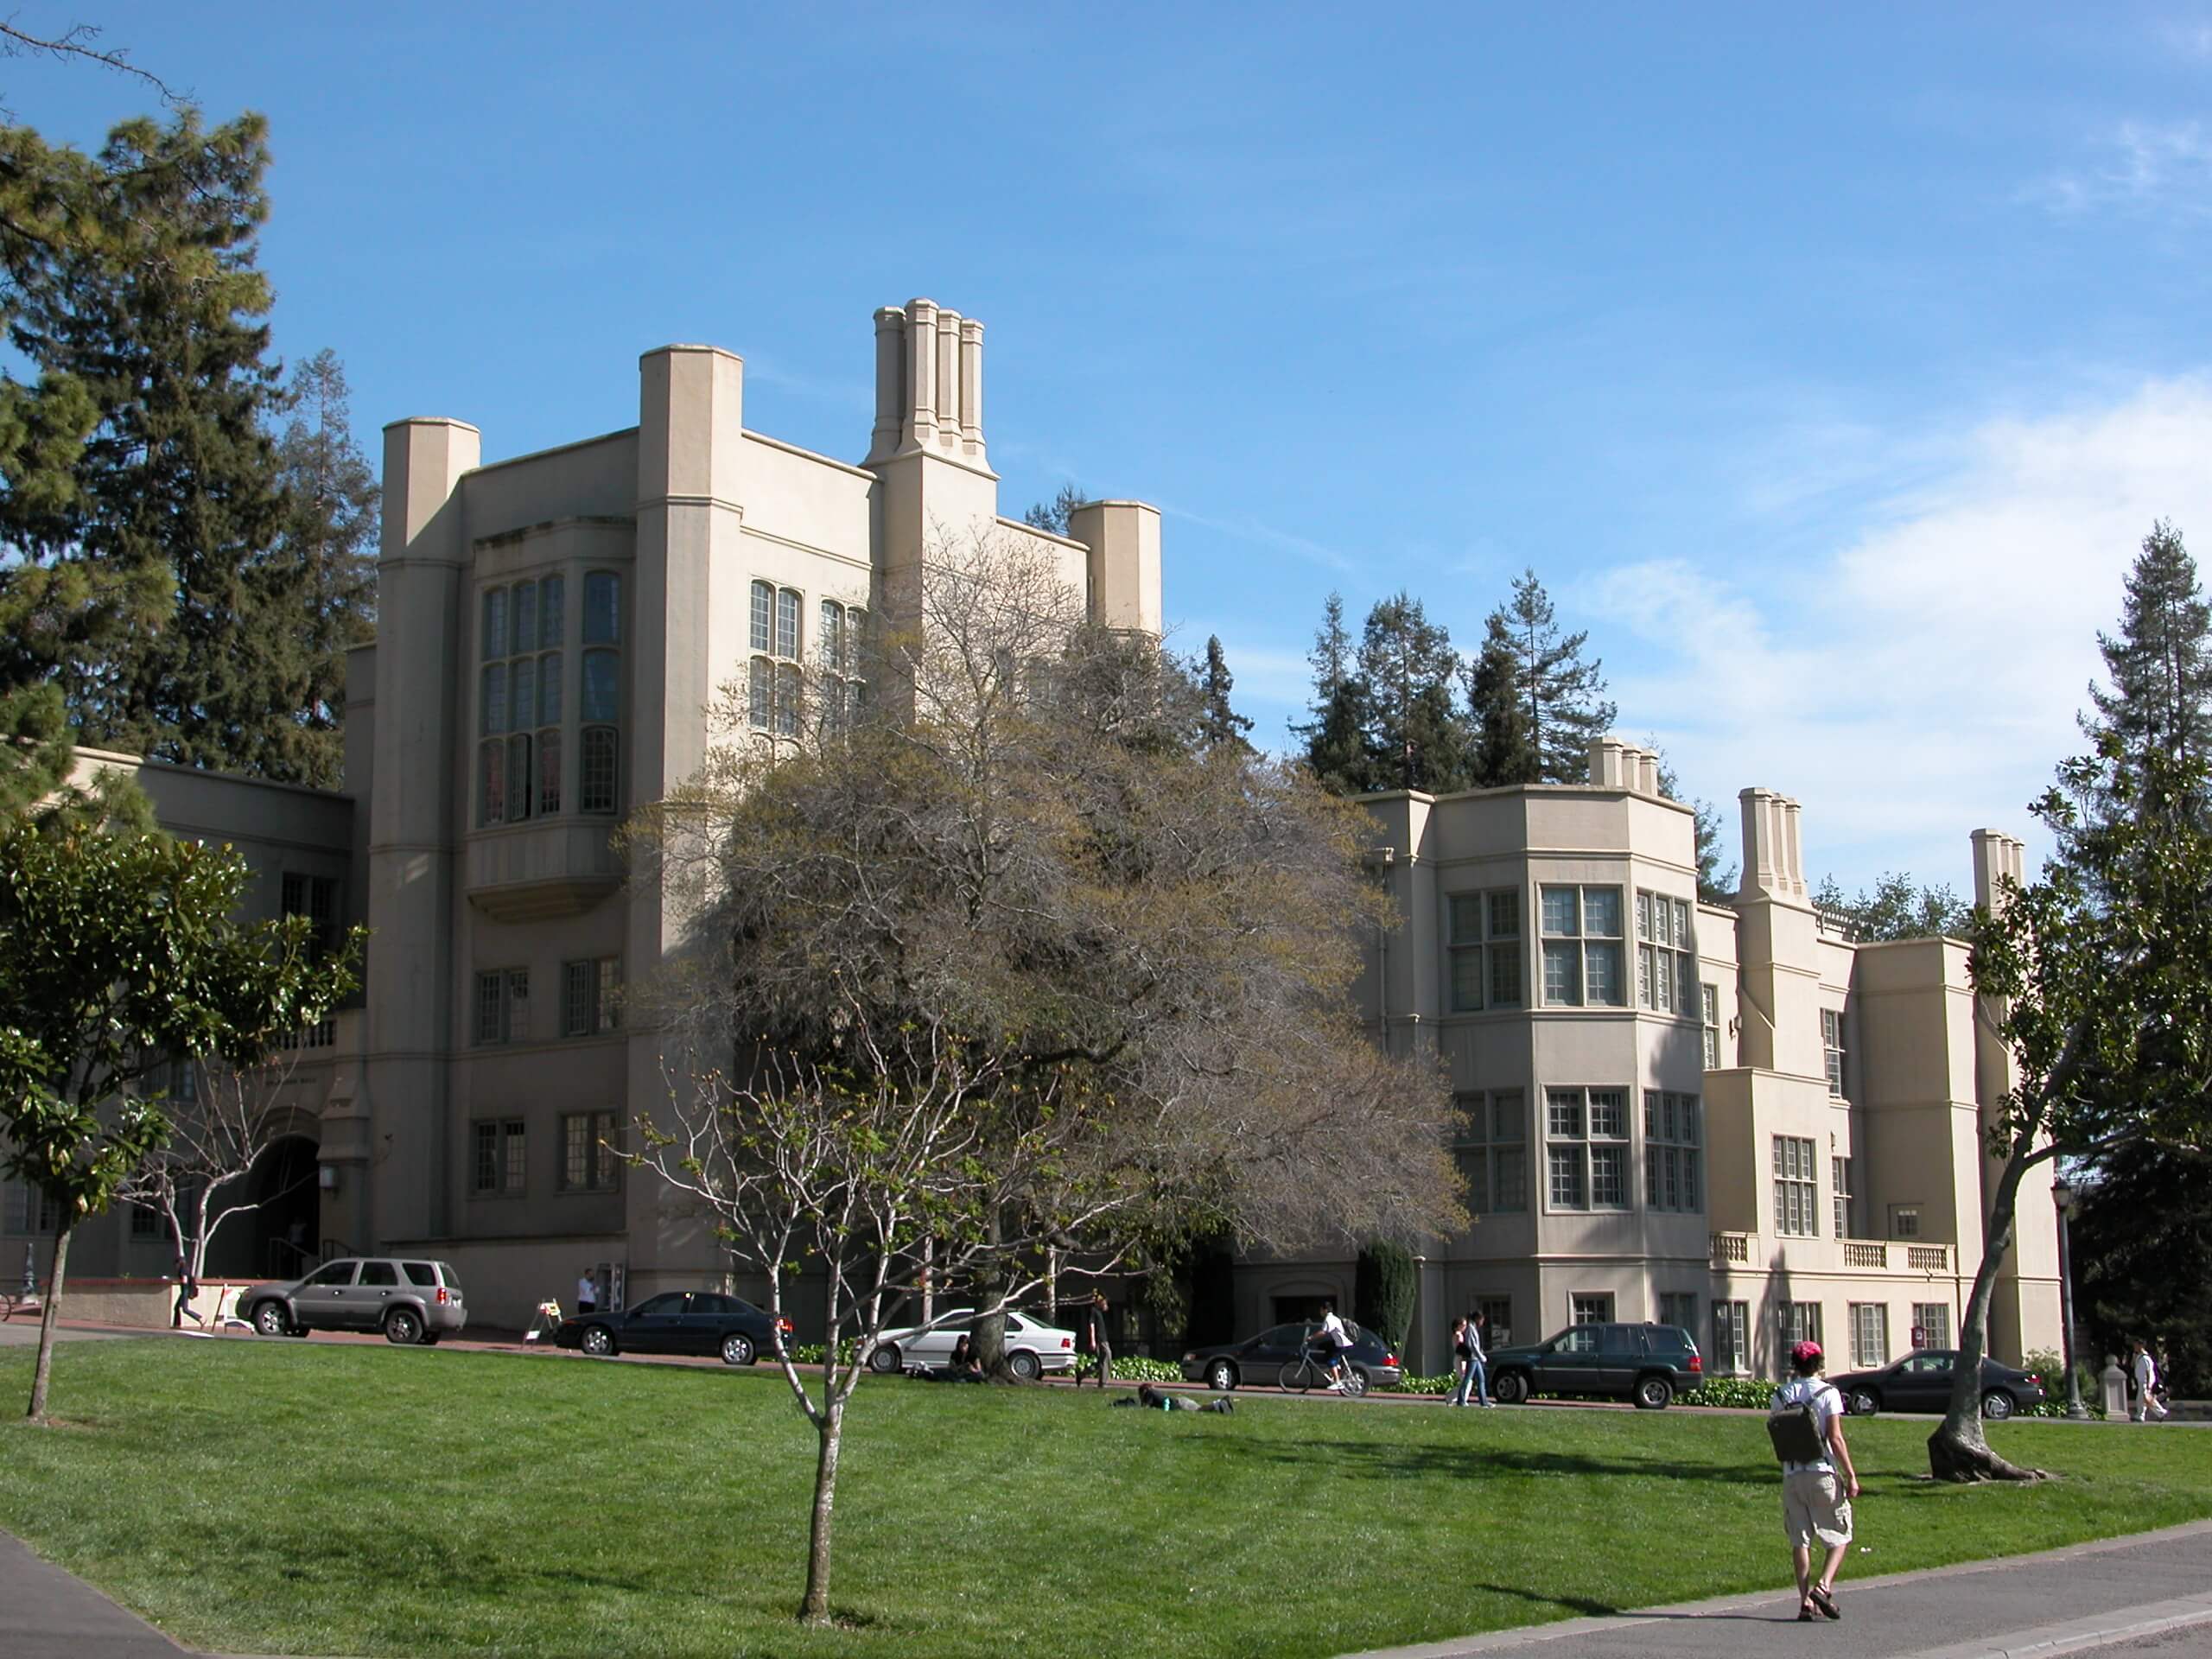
{"points": [[1729, 1116]]}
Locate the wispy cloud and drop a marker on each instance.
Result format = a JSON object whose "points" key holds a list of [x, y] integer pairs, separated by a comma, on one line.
{"points": [[2141, 168], [821, 389], [1251, 529], [1920, 678]]}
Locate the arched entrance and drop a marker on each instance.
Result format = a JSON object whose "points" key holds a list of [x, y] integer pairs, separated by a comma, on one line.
{"points": [[280, 1238]]}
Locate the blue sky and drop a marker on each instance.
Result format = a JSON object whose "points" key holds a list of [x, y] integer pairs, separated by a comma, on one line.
{"points": [[1827, 369]]}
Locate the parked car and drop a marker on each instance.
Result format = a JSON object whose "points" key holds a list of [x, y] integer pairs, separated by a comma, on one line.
{"points": [[1648, 1364], [407, 1300], [1921, 1381], [1031, 1348], [679, 1322], [1227, 1365]]}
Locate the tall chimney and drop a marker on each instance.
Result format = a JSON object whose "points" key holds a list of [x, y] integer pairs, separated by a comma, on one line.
{"points": [[890, 382], [921, 372]]}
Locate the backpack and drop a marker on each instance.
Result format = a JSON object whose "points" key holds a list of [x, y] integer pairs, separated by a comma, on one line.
{"points": [[1795, 1428]]}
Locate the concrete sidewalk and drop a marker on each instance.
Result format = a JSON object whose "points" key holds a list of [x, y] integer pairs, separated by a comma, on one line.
{"points": [[2072, 1600]]}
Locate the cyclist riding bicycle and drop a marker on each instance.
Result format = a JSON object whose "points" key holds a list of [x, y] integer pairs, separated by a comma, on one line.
{"points": [[1332, 1343]]}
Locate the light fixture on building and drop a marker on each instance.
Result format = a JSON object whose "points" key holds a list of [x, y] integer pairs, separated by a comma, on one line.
{"points": [[326, 1177]]}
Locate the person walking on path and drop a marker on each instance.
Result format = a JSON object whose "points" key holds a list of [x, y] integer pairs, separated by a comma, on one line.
{"points": [[187, 1287], [587, 1293], [1467, 1351], [1816, 1494], [2147, 1409], [1096, 1338]]}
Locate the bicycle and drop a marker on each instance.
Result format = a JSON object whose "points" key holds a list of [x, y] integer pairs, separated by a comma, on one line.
{"points": [[1308, 1372], [18, 1301]]}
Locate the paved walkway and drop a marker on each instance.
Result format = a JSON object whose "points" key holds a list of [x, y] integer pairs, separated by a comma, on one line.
{"points": [[2091, 1596]]}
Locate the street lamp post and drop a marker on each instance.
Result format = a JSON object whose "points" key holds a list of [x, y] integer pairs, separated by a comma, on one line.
{"points": [[2063, 1198]]}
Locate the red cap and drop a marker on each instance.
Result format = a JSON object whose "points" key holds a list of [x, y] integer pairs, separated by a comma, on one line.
{"points": [[1804, 1353]]}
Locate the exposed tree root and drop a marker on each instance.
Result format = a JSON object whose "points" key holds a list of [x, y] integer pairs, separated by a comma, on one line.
{"points": [[1955, 1458]]}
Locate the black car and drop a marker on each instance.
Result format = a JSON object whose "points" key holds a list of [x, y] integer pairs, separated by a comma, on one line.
{"points": [[1648, 1364], [1921, 1381], [679, 1322], [1259, 1359]]}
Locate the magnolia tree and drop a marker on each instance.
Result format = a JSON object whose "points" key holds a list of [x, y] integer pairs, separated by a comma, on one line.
{"points": [[1016, 963], [2098, 977], [114, 950]]}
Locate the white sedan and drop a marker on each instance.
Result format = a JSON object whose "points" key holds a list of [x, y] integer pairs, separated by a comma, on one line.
{"points": [[1032, 1349]]}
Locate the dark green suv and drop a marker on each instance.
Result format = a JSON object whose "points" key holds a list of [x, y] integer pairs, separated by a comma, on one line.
{"points": [[1648, 1364]]}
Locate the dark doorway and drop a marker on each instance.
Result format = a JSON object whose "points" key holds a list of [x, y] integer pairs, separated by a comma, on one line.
{"points": [[280, 1239], [1290, 1309]]}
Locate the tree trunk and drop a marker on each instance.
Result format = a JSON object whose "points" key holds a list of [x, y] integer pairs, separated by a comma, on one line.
{"points": [[47, 1314], [1958, 1450], [988, 1333], [830, 1426]]}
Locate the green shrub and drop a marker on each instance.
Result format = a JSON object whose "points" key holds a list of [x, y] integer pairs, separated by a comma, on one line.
{"points": [[1134, 1368], [1382, 1291], [1748, 1393]]}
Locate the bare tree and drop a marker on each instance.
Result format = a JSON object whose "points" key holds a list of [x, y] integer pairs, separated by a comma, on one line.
{"points": [[862, 1174], [222, 1118], [1016, 967]]}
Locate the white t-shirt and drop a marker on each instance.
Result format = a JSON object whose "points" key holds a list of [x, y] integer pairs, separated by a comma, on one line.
{"points": [[1827, 1406], [2147, 1372], [1333, 1329], [588, 1291]]}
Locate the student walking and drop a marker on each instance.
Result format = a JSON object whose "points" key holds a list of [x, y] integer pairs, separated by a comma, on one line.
{"points": [[1097, 1339], [1467, 1351], [1817, 1484], [2147, 1407], [587, 1293]]}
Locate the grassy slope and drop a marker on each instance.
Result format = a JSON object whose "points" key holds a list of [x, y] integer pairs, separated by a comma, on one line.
{"points": [[305, 1498]]}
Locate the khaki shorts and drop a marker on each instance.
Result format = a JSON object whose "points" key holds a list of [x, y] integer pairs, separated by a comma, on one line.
{"points": [[1813, 1506]]}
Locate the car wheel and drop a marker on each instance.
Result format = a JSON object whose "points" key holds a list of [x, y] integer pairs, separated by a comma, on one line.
{"points": [[1864, 1402], [884, 1360], [1653, 1393], [268, 1318], [1997, 1403], [1221, 1376], [1025, 1365], [737, 1349], [1511, 1389], [597, 1341], [403, 1326]]}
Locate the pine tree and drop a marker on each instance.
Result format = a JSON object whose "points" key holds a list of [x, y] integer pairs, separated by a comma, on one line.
{"points": [[1417, 736], [1505, 744], [142, 568], [1335, 738], [1219, 721], [1714, 884], [1564, 695], [318, 583], [2161, 663], [1053, 515]]}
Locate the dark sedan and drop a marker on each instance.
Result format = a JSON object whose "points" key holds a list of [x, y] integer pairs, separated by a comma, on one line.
{"points": [[1260, 1359], [1921, 1381], [679, 1322]]}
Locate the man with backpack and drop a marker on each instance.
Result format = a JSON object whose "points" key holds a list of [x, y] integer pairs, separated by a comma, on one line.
{"points": [[1805, 1421]]}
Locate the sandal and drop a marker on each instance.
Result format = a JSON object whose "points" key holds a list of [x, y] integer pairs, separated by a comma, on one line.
{"points": [[1824, 1599], [1804, 1615]]}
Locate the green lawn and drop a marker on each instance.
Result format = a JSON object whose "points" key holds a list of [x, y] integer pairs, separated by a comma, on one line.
{"points": [[309, 1497]]}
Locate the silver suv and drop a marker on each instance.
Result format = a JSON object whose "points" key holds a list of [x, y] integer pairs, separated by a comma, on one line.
{"points": [[408, 1301]]}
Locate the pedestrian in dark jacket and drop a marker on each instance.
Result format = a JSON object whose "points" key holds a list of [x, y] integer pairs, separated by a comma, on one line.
{"points": [[1096, 1338]]}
